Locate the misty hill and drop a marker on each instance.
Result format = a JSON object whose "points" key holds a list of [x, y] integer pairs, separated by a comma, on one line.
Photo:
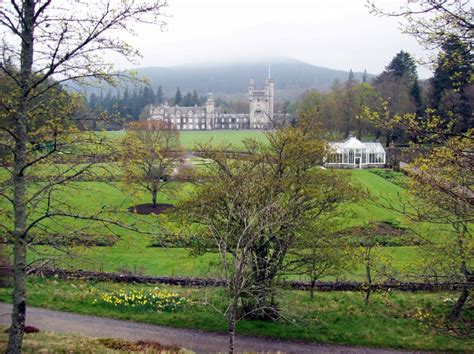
{"points": [[291, 77]]}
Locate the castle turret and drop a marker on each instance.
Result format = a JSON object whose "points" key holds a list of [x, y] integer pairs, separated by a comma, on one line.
{"points": [[261, 104], [251, 87], [210, 111], [271, 94]]}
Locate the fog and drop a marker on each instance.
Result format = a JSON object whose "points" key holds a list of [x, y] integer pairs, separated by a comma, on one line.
{"points": [[333, 33]]}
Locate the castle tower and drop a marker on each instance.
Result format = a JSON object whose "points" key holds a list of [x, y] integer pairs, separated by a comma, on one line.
{"points": [[261, 104], [271, 93], [210, 111]]}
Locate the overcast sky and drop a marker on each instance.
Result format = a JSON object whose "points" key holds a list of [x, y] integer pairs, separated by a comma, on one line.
{"points": [[339, 34]]}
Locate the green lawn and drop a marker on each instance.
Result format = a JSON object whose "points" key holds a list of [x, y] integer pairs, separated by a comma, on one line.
{"points": [[190, 138], [132, 251], [331, 317], [390, 320]]}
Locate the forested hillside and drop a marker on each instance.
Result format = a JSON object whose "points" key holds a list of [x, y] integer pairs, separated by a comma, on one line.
{"points": [[292, 78]]}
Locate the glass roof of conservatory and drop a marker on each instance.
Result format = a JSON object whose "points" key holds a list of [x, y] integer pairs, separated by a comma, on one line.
{"points": [[354, 143]]}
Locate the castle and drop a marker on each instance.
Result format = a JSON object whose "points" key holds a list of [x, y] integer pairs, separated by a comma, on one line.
{"points": [[210, 117]]}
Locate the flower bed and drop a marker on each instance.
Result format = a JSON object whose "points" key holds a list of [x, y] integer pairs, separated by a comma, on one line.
{"points": [[153, 299]]}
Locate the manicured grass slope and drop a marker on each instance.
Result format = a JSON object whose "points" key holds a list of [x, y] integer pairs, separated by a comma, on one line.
{"points": [[190, 138], [133, 254], [388, 321]]}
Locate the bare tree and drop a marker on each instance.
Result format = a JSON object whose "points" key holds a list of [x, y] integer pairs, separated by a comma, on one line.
{"points": [[150, 151], [432, 21], [45, 44]]}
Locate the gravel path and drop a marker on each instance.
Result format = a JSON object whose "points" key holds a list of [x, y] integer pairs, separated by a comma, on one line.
{"points": [[198, 341]]}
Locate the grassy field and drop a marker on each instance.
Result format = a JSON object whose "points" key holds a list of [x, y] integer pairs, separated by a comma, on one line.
{"points": [[132, 252], [391, 320], [190, 138], [395, 320]]}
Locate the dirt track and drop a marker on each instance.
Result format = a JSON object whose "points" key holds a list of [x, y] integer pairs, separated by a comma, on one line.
{"points": [[198, 341]]}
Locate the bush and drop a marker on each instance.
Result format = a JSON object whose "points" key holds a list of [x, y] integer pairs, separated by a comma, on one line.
{"points": [[388, 233], [397, 178], [87, 240]]}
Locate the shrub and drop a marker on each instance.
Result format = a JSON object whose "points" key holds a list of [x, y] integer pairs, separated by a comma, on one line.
{"points": [[397, 178]]}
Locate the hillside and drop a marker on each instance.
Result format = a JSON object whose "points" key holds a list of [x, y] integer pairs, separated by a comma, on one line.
{"points": [[292, 77]]}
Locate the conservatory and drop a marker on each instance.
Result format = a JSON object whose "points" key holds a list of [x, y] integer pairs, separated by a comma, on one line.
{"points": [[352, 153]]}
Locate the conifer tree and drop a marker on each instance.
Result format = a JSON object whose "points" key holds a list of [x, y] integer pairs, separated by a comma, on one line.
{"points": [[159, 95], [178, 97], [451, 82], [195, 100], [364, 77]]}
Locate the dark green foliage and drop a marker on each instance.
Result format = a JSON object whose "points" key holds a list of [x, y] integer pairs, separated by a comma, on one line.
{"points": [[387, 233], [415, 94], [159, 98], [124, 108], [451, 83], [178, 97], [104, 240], [365, 77], [403, 65], [395, 177]]}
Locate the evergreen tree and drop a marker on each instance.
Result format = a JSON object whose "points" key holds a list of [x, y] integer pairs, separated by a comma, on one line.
{"points": [[148, 96], [187, 100], [135, 105], [348, 104], [403, 65], [415, 94], [351, 76], [159, 99], [125, 105], [178, 97], [195, 100], [93, 101], [451, 82]]}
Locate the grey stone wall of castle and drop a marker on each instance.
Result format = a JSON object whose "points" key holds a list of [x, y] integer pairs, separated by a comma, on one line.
{"points": [[210, 117]]}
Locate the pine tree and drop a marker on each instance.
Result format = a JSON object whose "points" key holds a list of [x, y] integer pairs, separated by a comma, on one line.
{"points": [[415, 94], [187, 100], [451, 82], [195, 100], [159, 95], [403, 65], [178, 97], [364, 77]]}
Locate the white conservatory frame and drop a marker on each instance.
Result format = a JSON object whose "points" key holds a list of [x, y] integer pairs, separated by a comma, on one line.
{"points": [[352, 153]]}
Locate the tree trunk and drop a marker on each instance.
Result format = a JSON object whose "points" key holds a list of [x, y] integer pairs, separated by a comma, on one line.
{"points": [[369, 283], [313, 284], [367, 296], [19, 296], [457, 308], [231, 326], [17, 328], [154, 197]]}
